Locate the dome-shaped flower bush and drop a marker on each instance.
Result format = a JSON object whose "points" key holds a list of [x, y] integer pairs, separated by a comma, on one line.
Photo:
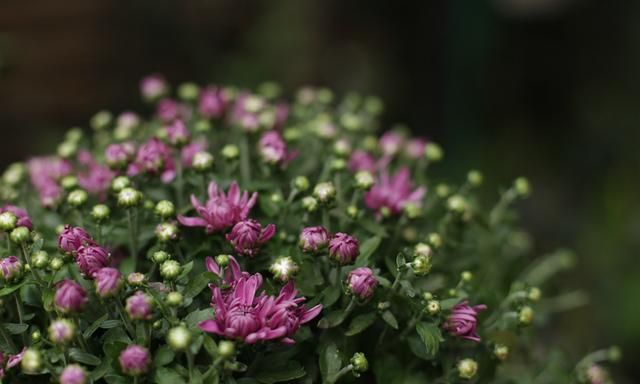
{"points": [[228, 236]]}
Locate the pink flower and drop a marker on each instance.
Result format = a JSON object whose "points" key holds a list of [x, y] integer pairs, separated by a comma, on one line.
{"points": [[221, 210], [245, 112], [70, 296], [393, 193], [128, 120], [73, 374], [44, 173], [390, 143], [415, 148], [153, 86], [361, 161], [73, 238], [230, 276], [21, 214], [10, 268], [177, 133], [168, 110], [274, 150], [343, 248], [462, 321], [248, 235], [91, 258], [134, 360], [361, 282], [154, 157], [139, 306], [312, 239], [212, 102], [119, 155], [190, 150], [95, 178]]}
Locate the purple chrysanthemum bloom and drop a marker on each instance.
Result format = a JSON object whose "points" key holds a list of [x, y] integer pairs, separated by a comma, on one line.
{"points": [[462, 321], [91, 258], [282, 113], [139, 306], [415, 148], [343, 248], [313, 239], [108, 281], [127, 120], [362, 283], [221, 210], [246, 109], [154, 157], [95, 178], [211, 102], [134, 360], [44, 173], [189, 151], [247, 236], [361, 161], [274, 150], [153, 86], [168, 110], [393, 193], [10, 268], [70, 296], [390, 143], [21, 214], [73, 238], [177, 133], [119, 155], [73, 374]]}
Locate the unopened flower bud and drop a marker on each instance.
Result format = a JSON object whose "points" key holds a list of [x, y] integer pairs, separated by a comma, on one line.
{"points": [[534, 294], [61, 331], [457, 203], [10, 269], [343, 248], [422, 249], [129, 197], [313, 239], [174, 299], [230, 152], [427, 296], [157, 324], [70, 297], [170, 269], [188, 91], [160, 256], [56, 263], [108, 282], [359, 362], [522, 186], [100, 212], [501, 352], [433, 152], [179, 337], [283, 268], [223, 260], [69, 182], [73, 374], [226, 349], [40, 259], [136, 279], [325, 192], [342, 147], [14, 174], [77, 198], [119, 183], [421, 265], [67, 149], [165, 209], [202, 161], [364, 180], [19, 235], [412, 210], [310, 204], [615, 353], [467, 368], [352, 211], [435, 240], [35, 336], [134, 360], [301, 183], [139, 306], [525, 316], [442, 190], [474, 178], [433, 307], [101, 120], [31, 361], [8, 221], [466, 276], [361, 283], [166, 232]]}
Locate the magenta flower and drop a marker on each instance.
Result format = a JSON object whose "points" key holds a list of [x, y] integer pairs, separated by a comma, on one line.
{"points": [[21, 214], [154, 157], [245, 112], [91, 258], [119, 155], [361, 161], [44, 173], [415, 148], [73, 374], [153, 86], [221, 210], [168, 110], [108, 281], [11, 361], [95, 178], [247, 236], [343, 248], [462, 321], [61, 331], [73, 238], [274, 150], [390, 143], [127, 120], [230, 276], [177, 133], [313, 239], [212, 102], [393, 193], [134, 360], [139, 306], [189, 151], [10, 268], [362, 283], [70, 296]]}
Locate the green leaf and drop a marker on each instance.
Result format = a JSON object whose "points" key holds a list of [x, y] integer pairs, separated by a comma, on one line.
{"points": [[115, 379], [449, 303], [332, 319], [168, 376], [108, 324], [194, 318], [197, 284], [390, 319], [16, 329], [292, 370], [94, 326], [196, 344], [360, 323], [8, 290], [185, 270], [84, 357], [330, 361], [330, 295], [164, 355], [374, 227], [431, 337], [367, 248]]}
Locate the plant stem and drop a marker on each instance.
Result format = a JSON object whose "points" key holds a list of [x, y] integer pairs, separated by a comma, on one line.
{"points": [[133, 239], [189, 363], [340, 373], [34, 272], [326, 220], [245, 166], [125, 319]]}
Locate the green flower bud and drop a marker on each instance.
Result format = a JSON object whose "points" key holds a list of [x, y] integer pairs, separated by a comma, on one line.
{"points": [[534, 294], [525, 316], [77, 198], [31, 361], [222, 260], [74, 135], [69, 182], [427, 296], [101, 120], [442, 190], [359, 362], [179, 338], [14, 174], [501, 352], [174, 299], [8, 221], [352, 211], [325, 192], [100, 212], [62, 331], [522, 186], [466, 276], [35, 336], [230, 152], [310, 204], [160, 257], [435, 240], [433, 152], [283, 268], [165, 209], [202, 161], [157, 324], [342, 147], [301, 183], [276, 198], [385, 211], [40, 259], [410, 234], [226, 349], [474, 177], [615, 353], [120, 183], [129, 197], [56, 263], [467, 368], [202, 126], [457, 203], [338, 164], [188, 91], [421, 265], [166, 232], [422, 249], [351, 121], [170, 269], [67, 149], [364, 180], [136, 279], [433, 307], [19, 235]]}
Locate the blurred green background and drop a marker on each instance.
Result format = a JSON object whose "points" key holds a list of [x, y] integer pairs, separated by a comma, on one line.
{"points": [[544, 88]]}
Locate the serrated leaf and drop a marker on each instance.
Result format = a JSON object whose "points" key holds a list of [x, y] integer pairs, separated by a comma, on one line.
{"points": [[431, 337], [390, 319], [197, 284], [367, 248], [292, 370], [360, 323], [164, 355], [168, 376], [15, 328], [83, 357], [94, 326]]}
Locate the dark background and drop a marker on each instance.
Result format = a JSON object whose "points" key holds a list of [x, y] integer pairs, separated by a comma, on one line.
{"points": [[545, 88]]}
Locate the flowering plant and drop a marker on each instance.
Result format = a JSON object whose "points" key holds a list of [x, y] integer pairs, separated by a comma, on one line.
{"points": [[234, 238]]}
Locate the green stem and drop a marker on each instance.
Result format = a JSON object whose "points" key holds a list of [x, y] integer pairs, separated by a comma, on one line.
{"points": [[83, 344], [133, 239], [245, 166], [27, 259], [179, 180], [326, 220], [189, 363], [340, 373], [125, 318]]}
